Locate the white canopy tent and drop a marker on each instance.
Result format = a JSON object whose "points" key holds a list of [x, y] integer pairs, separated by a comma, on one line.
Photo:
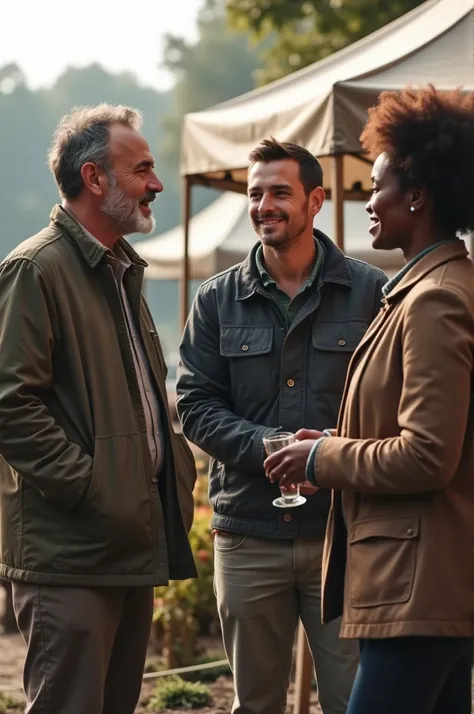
{"points": [[221, 235], [324, 107]]}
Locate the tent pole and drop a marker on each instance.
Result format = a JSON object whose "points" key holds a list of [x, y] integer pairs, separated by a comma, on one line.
{"points": [[184, 282], [337, 195], [303, 673]]}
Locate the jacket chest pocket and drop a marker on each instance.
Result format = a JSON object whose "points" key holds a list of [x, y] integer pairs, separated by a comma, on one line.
{"points": [[332, 347], [247, 349], [382, 561]]}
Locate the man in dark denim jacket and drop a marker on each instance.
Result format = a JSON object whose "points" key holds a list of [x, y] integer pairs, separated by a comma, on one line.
{"points": [[266, 347]]}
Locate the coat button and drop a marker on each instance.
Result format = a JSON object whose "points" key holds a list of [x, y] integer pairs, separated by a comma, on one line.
{"points": [[291, 383], [410, 531], [245, 348], [341, 343], [154, 479], [287, 517]]}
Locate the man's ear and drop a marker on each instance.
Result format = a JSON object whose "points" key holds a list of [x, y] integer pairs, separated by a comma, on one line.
{"points": [[94, 178], [316, 200]]}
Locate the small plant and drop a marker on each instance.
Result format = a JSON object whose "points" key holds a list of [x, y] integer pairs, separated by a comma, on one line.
{"points": [[185, 609], [7, 703], [176, 693]]}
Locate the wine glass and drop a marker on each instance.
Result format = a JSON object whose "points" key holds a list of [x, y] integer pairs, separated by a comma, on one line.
{"points": [[290, 498]]}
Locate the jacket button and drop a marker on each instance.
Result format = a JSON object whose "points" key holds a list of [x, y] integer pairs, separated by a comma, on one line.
{"points": [[341, 343], [291, 383], [410, 531], [287, 517], [245, 348], [154, 479]]}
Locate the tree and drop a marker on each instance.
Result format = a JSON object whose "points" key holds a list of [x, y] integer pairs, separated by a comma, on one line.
{"points": [[304, 31], [218, 66], [27, 189]]}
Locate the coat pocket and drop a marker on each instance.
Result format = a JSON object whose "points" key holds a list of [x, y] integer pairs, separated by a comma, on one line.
{"points": [[333, 344], [382, 561], [252, 368]]}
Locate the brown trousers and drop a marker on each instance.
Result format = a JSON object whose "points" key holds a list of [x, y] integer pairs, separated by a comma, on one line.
{"points": [[86, 648]]}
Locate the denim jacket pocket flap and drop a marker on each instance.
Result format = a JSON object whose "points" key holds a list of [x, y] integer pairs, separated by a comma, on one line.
{"points": [[245, 340], [338, 336]]}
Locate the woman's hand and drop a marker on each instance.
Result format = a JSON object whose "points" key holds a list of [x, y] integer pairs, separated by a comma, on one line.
{"points": [[288, 466]]}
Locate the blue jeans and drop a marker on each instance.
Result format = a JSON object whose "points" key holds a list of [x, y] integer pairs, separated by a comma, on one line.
{"points": [[413, 675]]}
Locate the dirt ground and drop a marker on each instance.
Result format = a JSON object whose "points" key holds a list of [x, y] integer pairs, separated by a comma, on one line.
{"points": [[12, 653]]}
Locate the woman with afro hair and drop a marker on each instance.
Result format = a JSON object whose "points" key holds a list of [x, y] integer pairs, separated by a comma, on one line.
{"points": [[399, 554]]}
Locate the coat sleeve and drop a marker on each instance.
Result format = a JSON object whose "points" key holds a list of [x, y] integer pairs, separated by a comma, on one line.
{"points": [[203, 394], [378, 293], [433, 412], [31, 442]]}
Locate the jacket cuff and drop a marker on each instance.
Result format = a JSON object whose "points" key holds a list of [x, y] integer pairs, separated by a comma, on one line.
{"points": [[310, 463]]}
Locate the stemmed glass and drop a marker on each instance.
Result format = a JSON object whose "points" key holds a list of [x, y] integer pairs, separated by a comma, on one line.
{"points": [[290, 498]]}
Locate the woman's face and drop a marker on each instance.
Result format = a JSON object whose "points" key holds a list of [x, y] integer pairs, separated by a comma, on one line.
{"points": [[391, 222]]}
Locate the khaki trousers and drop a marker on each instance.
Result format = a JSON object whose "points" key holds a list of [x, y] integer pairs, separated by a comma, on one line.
{"points": [[86, 648], [263, 587]]}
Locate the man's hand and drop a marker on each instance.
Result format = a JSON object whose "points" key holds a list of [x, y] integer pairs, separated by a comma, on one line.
{"points": [[303, 434], [288, 466], [307, 489]]}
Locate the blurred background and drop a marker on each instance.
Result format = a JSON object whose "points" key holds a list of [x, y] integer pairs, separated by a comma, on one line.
{"points": [[166, 59]]}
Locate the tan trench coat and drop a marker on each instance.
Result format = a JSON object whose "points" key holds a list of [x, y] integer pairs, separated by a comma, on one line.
{"points": [[400, 539]]}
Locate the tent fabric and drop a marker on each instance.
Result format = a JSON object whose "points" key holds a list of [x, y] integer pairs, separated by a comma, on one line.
{"points": [[324, 106], [221, 236]]}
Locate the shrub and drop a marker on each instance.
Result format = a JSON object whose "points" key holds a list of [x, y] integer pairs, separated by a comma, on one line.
{"points": [[186, 608], [175, 693], [7, 703]]}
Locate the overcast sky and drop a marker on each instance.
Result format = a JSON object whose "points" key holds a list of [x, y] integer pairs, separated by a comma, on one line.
{"points": [[45, 36]]}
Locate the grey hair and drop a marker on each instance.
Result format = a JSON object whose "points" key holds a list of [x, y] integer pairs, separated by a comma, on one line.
{"points": [[82, 135]]}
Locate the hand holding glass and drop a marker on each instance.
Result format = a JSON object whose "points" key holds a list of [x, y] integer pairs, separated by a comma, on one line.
{"points": [[289, 498]]}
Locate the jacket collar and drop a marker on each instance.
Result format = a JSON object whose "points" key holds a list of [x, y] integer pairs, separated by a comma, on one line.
{"points": [[454, 250], [335, 268], [92, 250]]}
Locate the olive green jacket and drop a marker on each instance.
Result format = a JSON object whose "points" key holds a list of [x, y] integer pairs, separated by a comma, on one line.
{"points": [[79, 503]]}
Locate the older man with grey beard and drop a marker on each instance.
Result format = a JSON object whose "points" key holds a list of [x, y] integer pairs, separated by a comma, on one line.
{"points": [[95, 486]]}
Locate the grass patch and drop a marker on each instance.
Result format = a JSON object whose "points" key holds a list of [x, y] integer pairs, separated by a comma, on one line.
{"points": [[176, 693]]}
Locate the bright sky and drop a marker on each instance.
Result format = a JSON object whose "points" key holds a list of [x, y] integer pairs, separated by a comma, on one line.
{"points": [[45, 36]]}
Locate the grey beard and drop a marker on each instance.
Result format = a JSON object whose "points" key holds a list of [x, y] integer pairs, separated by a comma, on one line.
{"points": [[125, 212]]}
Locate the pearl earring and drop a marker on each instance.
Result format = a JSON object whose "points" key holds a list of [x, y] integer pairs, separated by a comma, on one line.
{"points": [[412, 208]]}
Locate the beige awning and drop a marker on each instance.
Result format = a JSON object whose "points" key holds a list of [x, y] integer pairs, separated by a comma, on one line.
{"points": [[324, 107]]}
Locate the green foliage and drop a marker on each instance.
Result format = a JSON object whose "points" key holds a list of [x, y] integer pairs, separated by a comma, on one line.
{"points": [[176, 693], [28, 191], [7, 704], [305, 31], [186, 608], [218, 66]]}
